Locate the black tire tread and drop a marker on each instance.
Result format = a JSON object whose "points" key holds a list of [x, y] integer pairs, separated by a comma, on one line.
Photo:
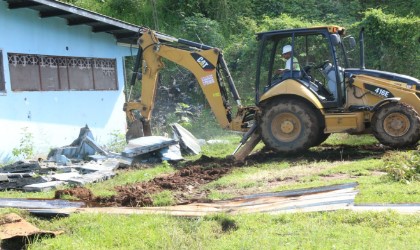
{"points": [[310, 125], [409, 139]]}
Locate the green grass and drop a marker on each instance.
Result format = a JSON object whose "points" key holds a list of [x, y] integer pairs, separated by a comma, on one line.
{"points": [[106, 188], [164, 198], [323, 230], [353, 140], [328, 230]]}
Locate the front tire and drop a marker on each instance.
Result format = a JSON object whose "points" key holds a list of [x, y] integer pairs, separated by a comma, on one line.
{"points": [[289, 126], [396, 125]]}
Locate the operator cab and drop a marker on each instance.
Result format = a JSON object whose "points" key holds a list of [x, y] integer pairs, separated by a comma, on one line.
{"points": [[315, 58]]}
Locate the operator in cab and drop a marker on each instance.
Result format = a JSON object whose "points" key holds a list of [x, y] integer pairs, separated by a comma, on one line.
{"points": [[287, 54]]}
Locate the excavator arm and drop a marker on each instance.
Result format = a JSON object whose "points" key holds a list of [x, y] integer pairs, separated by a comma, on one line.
{"points": [[205, 62], [212, 74]]}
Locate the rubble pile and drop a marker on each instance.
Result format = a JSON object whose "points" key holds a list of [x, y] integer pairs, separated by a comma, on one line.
{"points": [[84, 161]]}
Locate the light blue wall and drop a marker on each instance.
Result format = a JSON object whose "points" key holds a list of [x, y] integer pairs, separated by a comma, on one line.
{"points": [[55, 117]]}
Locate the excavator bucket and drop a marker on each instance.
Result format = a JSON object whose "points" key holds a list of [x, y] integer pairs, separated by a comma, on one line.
{"points": [[135, 130]]}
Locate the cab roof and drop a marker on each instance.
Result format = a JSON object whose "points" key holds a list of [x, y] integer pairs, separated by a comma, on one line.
{"points": [[332, 29]]}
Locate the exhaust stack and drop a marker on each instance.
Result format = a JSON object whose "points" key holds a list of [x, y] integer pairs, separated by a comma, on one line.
{"points": [[362, 48]]}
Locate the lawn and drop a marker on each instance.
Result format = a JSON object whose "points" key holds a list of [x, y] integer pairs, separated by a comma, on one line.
{"points": [[341, 159]]}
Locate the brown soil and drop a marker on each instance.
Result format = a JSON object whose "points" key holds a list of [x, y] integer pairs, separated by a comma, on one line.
{"points": [[186, 184], [77, 192]]}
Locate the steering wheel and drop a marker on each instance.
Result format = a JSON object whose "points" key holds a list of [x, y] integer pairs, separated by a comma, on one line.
{"points": [[321, 65]]}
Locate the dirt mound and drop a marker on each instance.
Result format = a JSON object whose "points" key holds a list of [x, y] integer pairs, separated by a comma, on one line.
{"points": [[77, 192], [184, 184]]}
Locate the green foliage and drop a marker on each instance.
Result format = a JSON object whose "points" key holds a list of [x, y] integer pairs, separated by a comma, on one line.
{"points": [[392, 43], [116, 142], [324, 11], [202, 29], [404, 167], [396, 7], [205, 126], [26, 145], [284, 21]]}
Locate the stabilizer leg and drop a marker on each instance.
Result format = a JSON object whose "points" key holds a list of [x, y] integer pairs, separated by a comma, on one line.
{"points": [[242, 152]]}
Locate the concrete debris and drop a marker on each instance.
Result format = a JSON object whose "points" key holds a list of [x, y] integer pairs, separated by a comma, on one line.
{"points": [[188, 142], [97, 176], [20, 167], [65, 176], [18, 182], [171, 153], [4, 178], [40, 187], [146, 144], [85, 161]]}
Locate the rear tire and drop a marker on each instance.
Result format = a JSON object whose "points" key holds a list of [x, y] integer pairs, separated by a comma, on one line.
{"points": [[396, 125], [289, 126]]}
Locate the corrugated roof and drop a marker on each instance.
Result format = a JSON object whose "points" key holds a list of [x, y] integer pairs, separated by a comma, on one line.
{"points": [[124, 32]]}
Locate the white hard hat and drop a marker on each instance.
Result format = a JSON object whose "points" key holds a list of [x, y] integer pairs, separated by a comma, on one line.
{"points": [[287, 49]]}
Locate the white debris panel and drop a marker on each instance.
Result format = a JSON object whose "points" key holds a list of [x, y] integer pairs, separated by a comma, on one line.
{"points": [[85, 161]]}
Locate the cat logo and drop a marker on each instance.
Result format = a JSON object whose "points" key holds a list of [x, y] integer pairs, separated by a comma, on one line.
{"points": [[204, 64]]}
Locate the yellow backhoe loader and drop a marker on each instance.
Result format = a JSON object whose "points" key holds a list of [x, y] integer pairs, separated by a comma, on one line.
{"points": [[319, 95]]}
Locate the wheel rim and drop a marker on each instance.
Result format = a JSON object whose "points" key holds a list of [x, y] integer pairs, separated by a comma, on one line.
{"points": [[286, 127], [396, 124]]}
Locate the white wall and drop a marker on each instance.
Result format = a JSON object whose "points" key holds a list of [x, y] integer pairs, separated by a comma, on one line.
{"points": [[55, 117]]}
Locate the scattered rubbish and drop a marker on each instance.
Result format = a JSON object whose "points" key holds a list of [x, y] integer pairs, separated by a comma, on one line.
{"points": [[187, 141], [97, 176], [40, 187], [18, 181], [171, 153], [20, 167], [38, 203], [303, 200], [147, 144], [16, 233], [85, 161], [329, 198]]}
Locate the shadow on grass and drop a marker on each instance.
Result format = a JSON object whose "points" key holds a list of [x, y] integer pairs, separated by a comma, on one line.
{"points": [[324, 152]]}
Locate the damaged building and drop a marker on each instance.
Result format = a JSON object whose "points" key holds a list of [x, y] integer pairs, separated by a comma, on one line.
{"points": [[61, 67]]}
